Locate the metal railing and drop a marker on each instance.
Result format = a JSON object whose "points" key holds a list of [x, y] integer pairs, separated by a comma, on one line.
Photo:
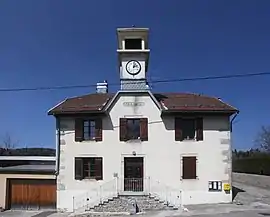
{"points": [[95, 196], [134, 184], [109, 190], [171, 196]]}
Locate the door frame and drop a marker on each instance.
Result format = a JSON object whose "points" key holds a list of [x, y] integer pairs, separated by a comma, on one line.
{"points": [[122, 176]]}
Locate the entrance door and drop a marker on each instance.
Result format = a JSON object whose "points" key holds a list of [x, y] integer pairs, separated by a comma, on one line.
{"points": [[133, 174]]}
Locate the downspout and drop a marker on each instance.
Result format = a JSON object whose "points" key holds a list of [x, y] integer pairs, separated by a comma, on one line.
{"points": [[230, 153], [58, 134], [231, 122]]}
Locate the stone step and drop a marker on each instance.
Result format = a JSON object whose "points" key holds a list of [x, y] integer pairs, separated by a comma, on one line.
{"points": [[131, 204]]}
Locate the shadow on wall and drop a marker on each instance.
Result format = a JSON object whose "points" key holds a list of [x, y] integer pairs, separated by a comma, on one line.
{"points": [[212, 124], [235, 191], [69, 124], [167, 120]]}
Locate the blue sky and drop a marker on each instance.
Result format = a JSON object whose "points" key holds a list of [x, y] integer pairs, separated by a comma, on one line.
{"points": [[64, 42]]}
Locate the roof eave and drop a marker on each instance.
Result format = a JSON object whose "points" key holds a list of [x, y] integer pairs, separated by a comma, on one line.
{"points": [[57, 113], [229, 112], [36, 172]]}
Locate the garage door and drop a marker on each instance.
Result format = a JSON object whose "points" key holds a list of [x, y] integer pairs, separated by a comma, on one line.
{"points": [[32, 194]]}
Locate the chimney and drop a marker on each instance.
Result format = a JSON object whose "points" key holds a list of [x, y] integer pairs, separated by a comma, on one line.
{"points": [[102, 87]]}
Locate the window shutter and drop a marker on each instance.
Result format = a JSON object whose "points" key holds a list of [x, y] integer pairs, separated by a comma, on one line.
{"points": [[178, 129], [78, 168], [123, 129], [189, 168], [144, 129], [98, 168], [98, 125], [78, 130], [199, 129]]}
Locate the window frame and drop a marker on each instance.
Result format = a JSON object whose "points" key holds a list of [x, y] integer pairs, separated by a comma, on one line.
{"points": [[194, 119], [139, 128], [90, 120], [88, 167], [85, 166], [180, 128]]}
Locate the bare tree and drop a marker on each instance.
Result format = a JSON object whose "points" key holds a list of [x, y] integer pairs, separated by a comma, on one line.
{"points": [[262, 140], [8, 142]]}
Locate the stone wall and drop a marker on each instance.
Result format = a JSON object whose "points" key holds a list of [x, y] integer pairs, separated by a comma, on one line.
{"points": [[252, 180]]}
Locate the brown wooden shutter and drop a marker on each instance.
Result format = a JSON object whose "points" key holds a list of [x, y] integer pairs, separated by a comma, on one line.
{"points": [[98, 132], [123, 129], [199, 129], [189, 168], [144, 129], [178, 129], [78, 130], [98, 168], [78, 168]]}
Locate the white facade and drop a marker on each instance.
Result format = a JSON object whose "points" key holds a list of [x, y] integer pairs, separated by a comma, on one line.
{"points": [[162, 154]]}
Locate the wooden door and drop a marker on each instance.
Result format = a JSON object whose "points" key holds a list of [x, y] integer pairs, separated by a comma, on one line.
{"points": [[32, 194]]}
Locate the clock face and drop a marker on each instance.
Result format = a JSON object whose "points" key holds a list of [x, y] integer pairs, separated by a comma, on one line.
{"points": [[133, 67]]}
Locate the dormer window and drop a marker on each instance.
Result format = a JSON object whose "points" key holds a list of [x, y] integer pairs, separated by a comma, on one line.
{"points": [[133, 44]]}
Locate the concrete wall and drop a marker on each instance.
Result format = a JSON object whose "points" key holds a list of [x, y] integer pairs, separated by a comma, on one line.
{"points": [[251, 179], [162, 154], [3, 182]]}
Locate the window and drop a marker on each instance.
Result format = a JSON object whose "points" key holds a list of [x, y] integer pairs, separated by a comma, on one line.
{"points": [[189, 165], [133, 43], [188, 129], [88, 129], [133, 128], [88, 168]]}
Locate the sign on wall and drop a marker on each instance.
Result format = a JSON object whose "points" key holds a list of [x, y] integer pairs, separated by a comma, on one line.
{"points": [[132, 104]]}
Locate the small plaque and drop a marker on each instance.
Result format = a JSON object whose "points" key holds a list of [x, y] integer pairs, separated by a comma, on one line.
{"points": [[133, 104]]}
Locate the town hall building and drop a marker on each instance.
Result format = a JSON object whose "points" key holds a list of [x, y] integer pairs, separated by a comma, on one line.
{"points": [[175, 147]]}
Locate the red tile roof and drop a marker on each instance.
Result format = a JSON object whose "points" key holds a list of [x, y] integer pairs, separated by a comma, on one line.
{"points": [[169, 102]]}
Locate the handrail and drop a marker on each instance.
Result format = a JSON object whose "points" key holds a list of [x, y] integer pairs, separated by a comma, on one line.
{"points": [[95, 196], [170, 195], [108, 190]]}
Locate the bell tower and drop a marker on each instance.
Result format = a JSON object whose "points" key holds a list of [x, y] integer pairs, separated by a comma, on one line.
{"points": [[133, 57]]}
